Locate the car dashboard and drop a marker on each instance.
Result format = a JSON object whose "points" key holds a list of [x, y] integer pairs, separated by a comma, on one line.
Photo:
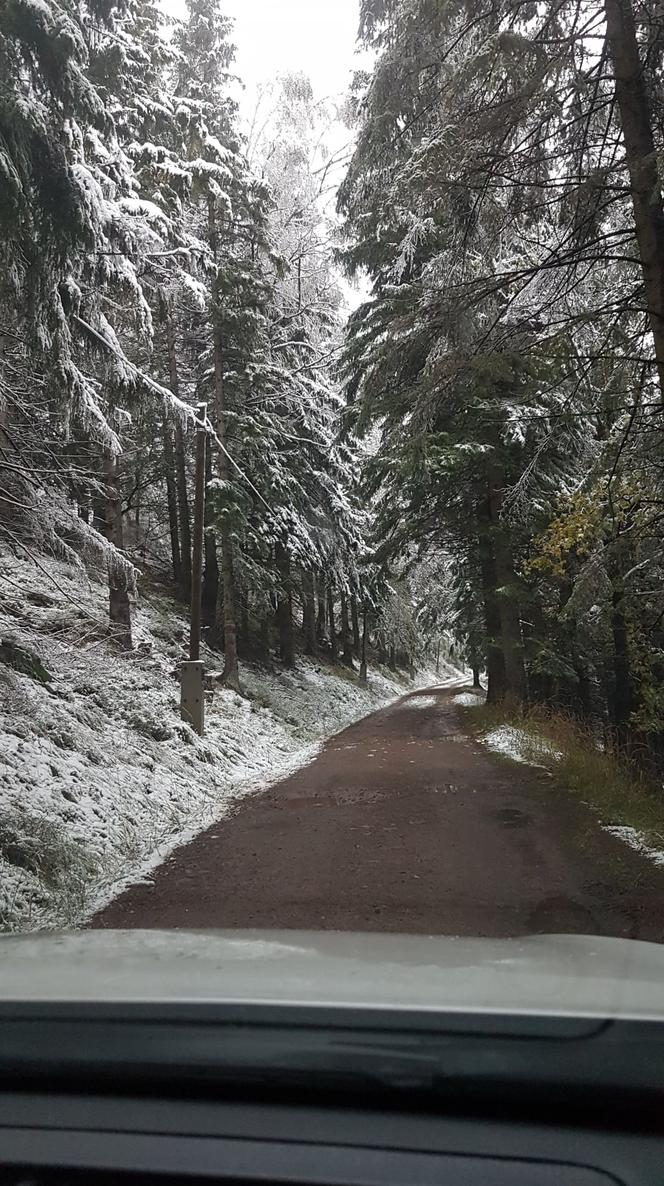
{"points": [[189, 1096]]}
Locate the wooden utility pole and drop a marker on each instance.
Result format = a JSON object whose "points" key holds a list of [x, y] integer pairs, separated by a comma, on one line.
{"points": [[231, 675], [192, 699]]}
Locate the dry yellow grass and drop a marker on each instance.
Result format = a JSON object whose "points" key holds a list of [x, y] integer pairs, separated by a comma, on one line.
{"points": [[579, 761]]}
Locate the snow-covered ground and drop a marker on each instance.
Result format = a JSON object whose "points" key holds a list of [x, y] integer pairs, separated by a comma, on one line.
{"points": [[99, 777], [520, 745]]}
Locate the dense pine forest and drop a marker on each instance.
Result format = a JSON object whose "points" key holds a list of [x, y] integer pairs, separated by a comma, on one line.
{"points": [[473, 455], [156, 261], [505, 199]]}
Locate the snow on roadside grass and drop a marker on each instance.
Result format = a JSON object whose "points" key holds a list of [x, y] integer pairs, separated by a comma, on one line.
{"points": [[523, 746], [469, 699], [97, 771], [139, 872], [636, 840], [520, 745]]}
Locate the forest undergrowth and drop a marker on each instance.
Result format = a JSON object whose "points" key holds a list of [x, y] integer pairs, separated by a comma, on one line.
{"points": [[580, 760]]}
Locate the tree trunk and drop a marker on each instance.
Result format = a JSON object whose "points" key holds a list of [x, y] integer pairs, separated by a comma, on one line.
{"points": [[320, 617], [363, 651], [118, 591], [197, 551], [99, 514], [309, 614], [216, 634], [285, 607], [183, 511], [171, 499], [244, 634], [623, 696], [346, 647], [495, 659], [584, 687], [210, 594], [355, 619], [210, 578], [333, 631], [180, 466], [508, 605], [264, 639], [137, 505], [637, 127], [231, 673], [537, 642]]}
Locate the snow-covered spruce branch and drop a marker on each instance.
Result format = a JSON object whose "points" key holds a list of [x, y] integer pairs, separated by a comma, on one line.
{"points": [[183, 409]]}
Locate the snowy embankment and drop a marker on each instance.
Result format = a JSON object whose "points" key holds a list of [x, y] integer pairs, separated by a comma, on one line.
{"points": [[98, 775]]}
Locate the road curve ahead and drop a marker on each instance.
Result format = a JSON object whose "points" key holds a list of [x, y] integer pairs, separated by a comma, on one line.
{"points": [[405, 824]]}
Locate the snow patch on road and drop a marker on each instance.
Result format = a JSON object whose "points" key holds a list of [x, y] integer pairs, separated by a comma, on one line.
{"points": [[520, 745], [469, 699], [638, 841]]}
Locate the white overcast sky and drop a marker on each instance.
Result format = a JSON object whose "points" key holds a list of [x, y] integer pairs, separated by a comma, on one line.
{"points": [[316, 36], [274, 36]]}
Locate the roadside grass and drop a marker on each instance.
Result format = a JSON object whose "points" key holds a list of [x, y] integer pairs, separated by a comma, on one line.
{"points": [[51, 870], [621, 795]]}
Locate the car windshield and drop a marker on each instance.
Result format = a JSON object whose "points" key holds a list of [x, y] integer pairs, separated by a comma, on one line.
{"points": [[332, 473]]}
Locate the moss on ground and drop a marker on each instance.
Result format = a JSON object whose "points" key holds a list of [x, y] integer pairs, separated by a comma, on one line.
{"points": [[26, 662]]}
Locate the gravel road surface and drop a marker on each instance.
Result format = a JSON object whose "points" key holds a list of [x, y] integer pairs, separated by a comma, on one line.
{"points": [[403, 823]]}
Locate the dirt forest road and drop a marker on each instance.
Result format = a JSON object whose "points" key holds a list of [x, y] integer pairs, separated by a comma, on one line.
{"points": [[405, 824]]}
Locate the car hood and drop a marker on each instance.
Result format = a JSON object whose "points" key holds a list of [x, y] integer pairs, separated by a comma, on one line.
{"points": [[556, 975]]}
